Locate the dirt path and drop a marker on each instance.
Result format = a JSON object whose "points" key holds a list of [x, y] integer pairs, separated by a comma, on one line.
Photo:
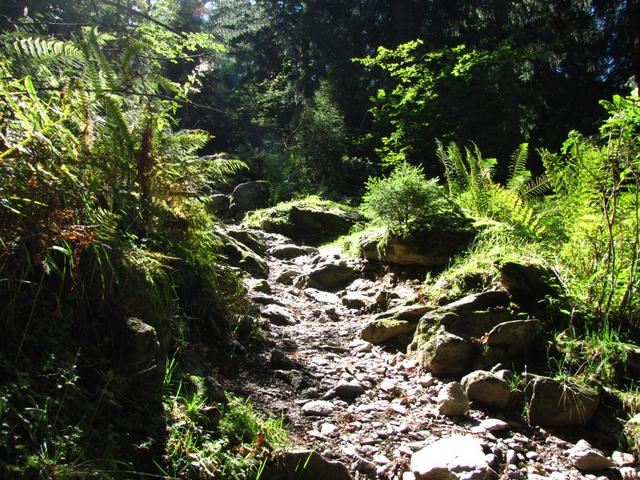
{"points": [[385, 408]]}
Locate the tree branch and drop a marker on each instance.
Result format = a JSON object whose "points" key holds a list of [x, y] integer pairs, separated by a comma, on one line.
{"points": [[148, 17]]}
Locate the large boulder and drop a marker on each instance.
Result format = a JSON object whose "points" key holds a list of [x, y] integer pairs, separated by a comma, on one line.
{"points": [[254, 239], [411, 313], [445, 354], [555, 404], [324, 222], [458, 456], [304, 221], [218, 204], [329, 276], [528, 283], [511, 340], [479, 301], [452, 401], [240, 255], [430, 248], [249, 196], [446, 338], [487, 389], [393, 323], [385, 329]]}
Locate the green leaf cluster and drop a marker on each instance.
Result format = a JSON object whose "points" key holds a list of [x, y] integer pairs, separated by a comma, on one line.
{"points": [[405, 199]]}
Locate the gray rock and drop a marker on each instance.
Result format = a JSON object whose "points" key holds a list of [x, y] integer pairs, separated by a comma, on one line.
{"points": [[494, 425], [487, 389], [309, 223], [258, 285], [554, 404], [319, 408], [287, 277], [330, 276], [279, 360], [141, 346], [218, 203], [455, 457], [249, 196], [452, 401], [305, 465], [329, 222], [346, 390], [511, 340], [383, 330], [445, 354], [587, 459], [278, 315], [242, 256], [356, 301], [479, 301], [528, 283], [291, 251], [256, 240], [430, 248], [410, 313], [214, 391], [322, 297]]}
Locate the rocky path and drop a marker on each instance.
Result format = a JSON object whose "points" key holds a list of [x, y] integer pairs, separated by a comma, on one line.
{"points": [[370, 407]]}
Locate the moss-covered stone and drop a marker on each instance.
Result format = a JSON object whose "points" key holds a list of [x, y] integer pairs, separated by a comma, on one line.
{"points": [[433, 246]]}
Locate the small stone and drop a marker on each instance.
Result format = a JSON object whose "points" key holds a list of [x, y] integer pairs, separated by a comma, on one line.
{"points": [[623, 459], [380, 459], [460, 454], [487, 389], [586, 458], [452, 401], [364, 466], [494, 425], [280, 361], [532, 455], [426, 380], [328, 429], [512, 457], [318, 408], [347, 390], [388, 385], [278, 315], [629, 473]]}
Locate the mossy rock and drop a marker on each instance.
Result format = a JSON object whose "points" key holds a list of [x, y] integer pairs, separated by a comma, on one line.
{"points": [[443, 237], [311, 220]]}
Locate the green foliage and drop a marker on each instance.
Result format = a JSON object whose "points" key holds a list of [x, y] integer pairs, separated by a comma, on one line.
{"points": [[405, 199], [596, 190], [471, 184], [100, 220], [235, 448]]}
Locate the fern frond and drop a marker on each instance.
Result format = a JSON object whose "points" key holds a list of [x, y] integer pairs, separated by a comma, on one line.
{"points": [[43, 49], [538, 186]]}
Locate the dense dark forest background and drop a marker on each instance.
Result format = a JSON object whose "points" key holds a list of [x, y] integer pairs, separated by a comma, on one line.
{"points": [[287, 95]]}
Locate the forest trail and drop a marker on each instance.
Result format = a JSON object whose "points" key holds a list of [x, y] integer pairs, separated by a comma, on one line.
{"points": [[370, 407]]}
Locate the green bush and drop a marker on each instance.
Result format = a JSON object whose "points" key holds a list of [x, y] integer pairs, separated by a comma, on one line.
{"points": [[405, 199]]}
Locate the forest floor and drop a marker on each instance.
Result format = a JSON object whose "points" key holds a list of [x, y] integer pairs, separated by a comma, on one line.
{"points": [[375, 433]]}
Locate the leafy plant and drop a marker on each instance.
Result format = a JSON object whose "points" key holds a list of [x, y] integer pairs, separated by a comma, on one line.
{"points": [[405, 199], [470, 182]]}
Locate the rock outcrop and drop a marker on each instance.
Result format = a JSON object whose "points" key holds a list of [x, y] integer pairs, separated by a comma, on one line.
{"points": [[249, 196], [431, 248], [554, 404]]}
